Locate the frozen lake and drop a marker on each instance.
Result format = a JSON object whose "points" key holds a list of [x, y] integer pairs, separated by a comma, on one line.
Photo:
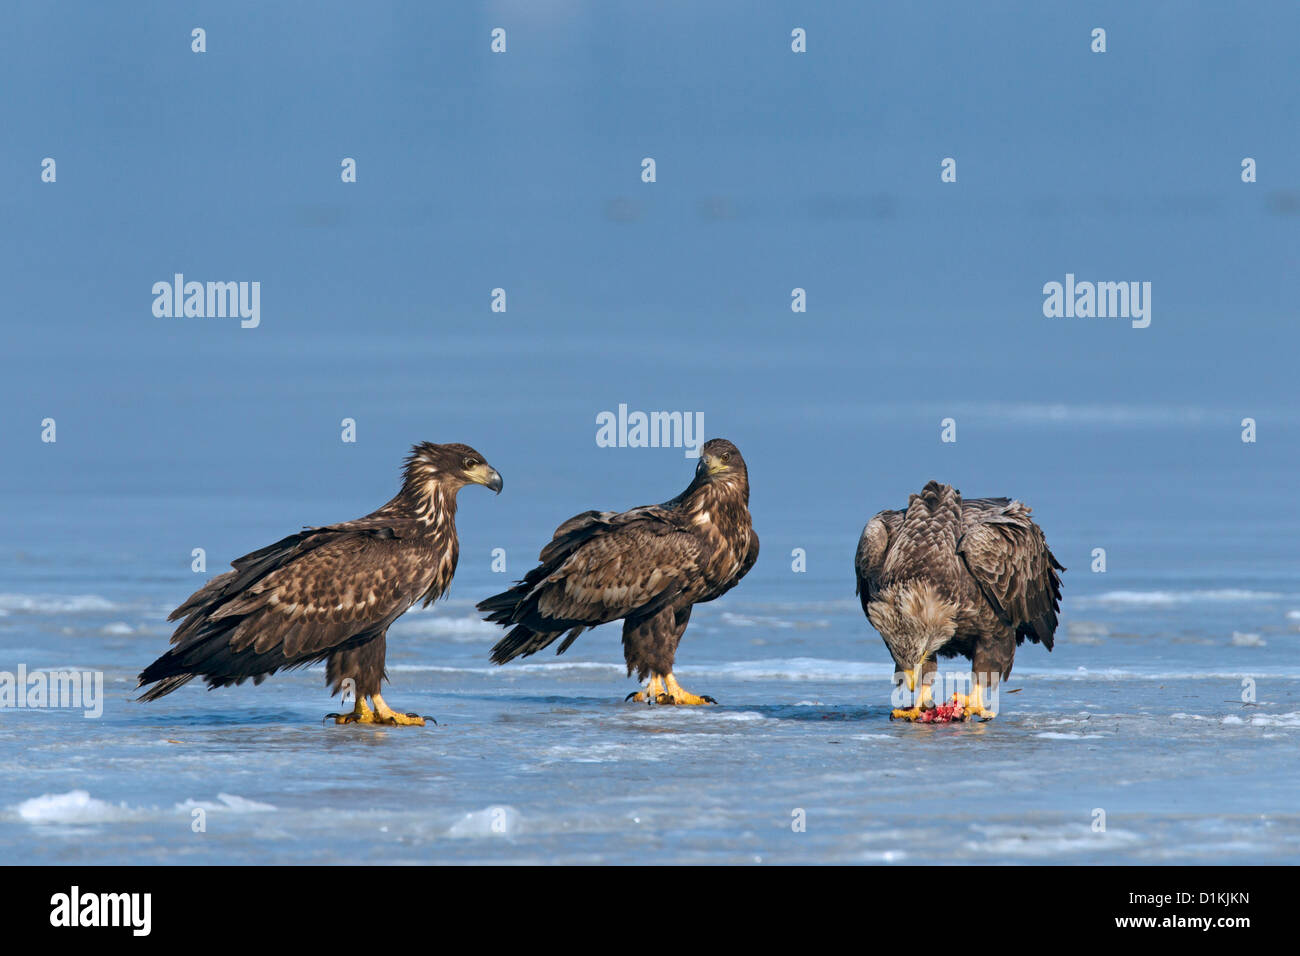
{"points": [[1137, 712]]}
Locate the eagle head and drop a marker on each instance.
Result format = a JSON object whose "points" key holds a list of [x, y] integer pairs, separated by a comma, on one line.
{"points": [[450, 467], [915, 620], [720, 460]]}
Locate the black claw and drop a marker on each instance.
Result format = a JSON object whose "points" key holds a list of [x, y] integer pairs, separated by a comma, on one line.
{"points": [[708, 698], [630, 696], [329, 717], [431, 720]]}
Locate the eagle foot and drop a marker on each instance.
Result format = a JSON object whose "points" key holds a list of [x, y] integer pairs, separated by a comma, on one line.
{"points": [[382, 714], [360, 714], [687, 699], [386, 715], [675, 693], [973, 706], [906, 713], [653, 691], [395, 719]]}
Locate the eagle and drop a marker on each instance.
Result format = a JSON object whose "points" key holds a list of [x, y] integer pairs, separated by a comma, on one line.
{"points": [[329, 593], [951, 576], [647, 567]]}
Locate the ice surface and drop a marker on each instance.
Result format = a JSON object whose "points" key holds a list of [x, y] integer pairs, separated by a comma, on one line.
{"points": [[1146, 709], [542, 761]]}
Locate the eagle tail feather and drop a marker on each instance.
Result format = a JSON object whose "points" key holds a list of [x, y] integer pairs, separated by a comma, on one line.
{"points": [[164, 686], [523, 641]]}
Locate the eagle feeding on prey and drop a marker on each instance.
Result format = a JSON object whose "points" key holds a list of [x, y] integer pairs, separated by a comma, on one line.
{"points": [[329, 593], [648, 567], [953, 576]]}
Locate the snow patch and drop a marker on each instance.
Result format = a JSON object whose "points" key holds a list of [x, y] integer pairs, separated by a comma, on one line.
{"points": [[75, 806]]}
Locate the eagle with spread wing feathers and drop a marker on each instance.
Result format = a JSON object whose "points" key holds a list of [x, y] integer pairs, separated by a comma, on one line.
{"points": [[951, 576], [647, 567], [329, 593]]}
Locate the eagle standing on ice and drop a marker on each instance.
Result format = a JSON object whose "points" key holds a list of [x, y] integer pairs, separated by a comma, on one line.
{"points": [[329, 593], [950, 576], [648, 566]]}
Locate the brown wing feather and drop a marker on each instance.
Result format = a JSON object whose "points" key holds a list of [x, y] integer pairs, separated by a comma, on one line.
{"points": [[873, 545], [599, 567], [630, 566], [292, 603], [325, 596], [1007, 555]]}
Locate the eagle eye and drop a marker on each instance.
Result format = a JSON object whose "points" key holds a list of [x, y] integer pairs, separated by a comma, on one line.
{"points": [[470, 463], [726, 457]]}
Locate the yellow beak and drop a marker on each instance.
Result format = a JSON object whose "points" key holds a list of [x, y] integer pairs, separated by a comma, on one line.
{"points": [[484, 474], [709, 465]]}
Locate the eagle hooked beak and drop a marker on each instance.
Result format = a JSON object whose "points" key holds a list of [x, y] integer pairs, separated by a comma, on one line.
{"points": [[487, 476], [709, 465]]}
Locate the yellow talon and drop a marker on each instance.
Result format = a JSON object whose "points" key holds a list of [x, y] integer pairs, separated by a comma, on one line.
{"points": [[923, 700], [386, 715], [360, 714], [652, 692], [382, 714], [675, 693], [973, 704]]}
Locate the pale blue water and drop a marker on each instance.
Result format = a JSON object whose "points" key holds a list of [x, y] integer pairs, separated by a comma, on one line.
{"points": [[774, 172]]}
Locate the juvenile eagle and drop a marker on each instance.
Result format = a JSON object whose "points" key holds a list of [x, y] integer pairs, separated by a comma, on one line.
{"points": [[950, 576], [648, 566], [328, 593]]}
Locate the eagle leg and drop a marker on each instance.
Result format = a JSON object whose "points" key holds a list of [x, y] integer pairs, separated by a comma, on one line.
{"points": [[650, 695], [675, 693], [924, 701]]}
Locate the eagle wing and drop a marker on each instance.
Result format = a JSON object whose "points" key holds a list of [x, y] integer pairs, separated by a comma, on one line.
{"points": [[602, 566], [291, 603], [1007, 555], [873, 546], [599, 567]]}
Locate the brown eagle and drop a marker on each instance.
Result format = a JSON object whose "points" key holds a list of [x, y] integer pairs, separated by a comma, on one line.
{"points": [[648, 567], [329, 593], [953, 576]]}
